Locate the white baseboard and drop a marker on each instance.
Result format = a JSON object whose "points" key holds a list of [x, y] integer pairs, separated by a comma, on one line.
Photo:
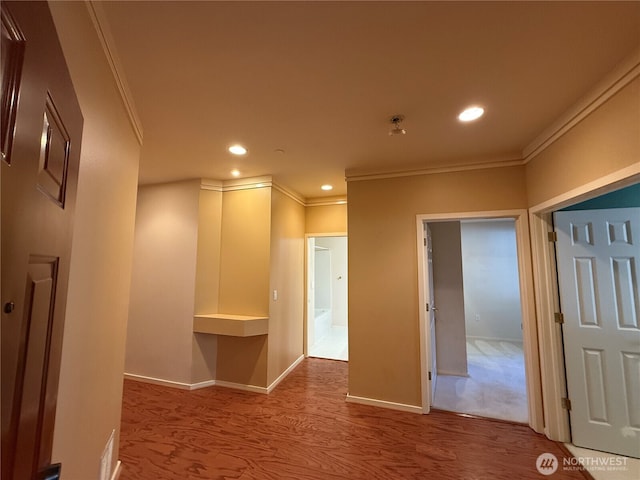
{"points": [[242, 386], [206, 383], [285, 373], [383, 404], [219, 383], [157, 381], [117, 471], [495, 339], [169, 383]]}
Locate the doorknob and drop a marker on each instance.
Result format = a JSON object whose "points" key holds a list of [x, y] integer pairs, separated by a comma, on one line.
{"points": [[9, 307], [434, 308]]}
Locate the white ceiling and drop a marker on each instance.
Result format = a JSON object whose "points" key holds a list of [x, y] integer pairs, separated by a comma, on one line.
{"points": [[320, 81]]}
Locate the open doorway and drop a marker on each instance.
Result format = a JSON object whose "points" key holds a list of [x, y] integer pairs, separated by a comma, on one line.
{"points": [[428, 354], [478, 328], [615, 192], [327, 322]]}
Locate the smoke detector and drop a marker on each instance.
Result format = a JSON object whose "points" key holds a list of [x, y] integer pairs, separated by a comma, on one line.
{"points": [[396, 127]]}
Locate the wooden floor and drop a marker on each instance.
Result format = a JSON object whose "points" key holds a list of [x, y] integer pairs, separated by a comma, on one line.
{"points": [[305, 430]]}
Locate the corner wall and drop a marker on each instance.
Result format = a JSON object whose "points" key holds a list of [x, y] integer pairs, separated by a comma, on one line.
{"points": [[244, 282], [90, 390], [287, 278], [384, 343], [159, 335]]}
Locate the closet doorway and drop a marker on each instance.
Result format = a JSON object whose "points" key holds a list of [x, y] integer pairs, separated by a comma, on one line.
{"points": [[327, 322], [478, 328]]}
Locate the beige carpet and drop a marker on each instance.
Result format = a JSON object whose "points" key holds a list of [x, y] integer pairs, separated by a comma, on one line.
{"points": [[495, 387]]}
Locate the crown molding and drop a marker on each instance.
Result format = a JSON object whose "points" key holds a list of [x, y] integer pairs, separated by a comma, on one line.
{"points": [[211, 185], [290, 193], [235, 184], [435, 170], [324, 201], [101, 25], [615, 81]]}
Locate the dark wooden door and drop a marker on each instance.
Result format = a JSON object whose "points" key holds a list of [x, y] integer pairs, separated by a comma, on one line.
{"points": [[41, 135]]}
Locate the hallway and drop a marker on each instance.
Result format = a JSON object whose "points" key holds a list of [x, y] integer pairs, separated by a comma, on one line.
{"points": [[305, 430]]}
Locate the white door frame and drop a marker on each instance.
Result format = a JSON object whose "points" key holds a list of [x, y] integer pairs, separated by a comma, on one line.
{"points": [[527, 305], [305, 331], [556, 425]]}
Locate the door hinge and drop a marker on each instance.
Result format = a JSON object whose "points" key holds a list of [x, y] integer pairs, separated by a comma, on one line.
{"points": [[552, 236], [566, 404], [425, 241], [427, 307], [559, 317], [429, 376]]}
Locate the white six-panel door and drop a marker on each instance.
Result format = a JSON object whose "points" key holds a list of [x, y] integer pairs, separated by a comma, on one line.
{"points": [[598, 259]]}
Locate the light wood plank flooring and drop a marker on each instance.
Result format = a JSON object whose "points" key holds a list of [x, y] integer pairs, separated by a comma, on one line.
{"points": [[305, 430]]}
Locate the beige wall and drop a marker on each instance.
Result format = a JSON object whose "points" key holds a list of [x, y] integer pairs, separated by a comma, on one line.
{"points": [[245, 249], [159, 335], [94, 339], [287, 277], [451, 338], [208, 253], [326, 219], [384, 357], [606, 141], [204, 347], [244, 282]]}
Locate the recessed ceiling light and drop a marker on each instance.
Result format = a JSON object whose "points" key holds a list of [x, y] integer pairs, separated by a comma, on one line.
{"points": [[238, 150], [470, 114], [235, 172], [327, 187]]}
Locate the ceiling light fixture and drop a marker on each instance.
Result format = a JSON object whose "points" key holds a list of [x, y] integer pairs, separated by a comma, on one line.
{"points": [[396, 128], [235, 172], [326, 188], [238, 149], [470, 114]]}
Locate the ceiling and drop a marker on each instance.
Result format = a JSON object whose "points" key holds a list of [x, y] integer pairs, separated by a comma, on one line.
{"points": [[309, 87]]}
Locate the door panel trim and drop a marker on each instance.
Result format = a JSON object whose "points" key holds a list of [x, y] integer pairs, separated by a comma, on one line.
{"points": [[556, 418]]}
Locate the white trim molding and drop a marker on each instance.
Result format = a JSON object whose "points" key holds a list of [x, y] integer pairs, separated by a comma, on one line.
{"points": [[117, 471], [289, 193], [616, 80], [358, 177], [284, 374], [169, 383], [372, 402], [199, 385], [619, 179], [551, 355], [324, 201], [101, 25], [242, 386], [157, 381], [527, 305], [218, 383], [549, 332]]}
